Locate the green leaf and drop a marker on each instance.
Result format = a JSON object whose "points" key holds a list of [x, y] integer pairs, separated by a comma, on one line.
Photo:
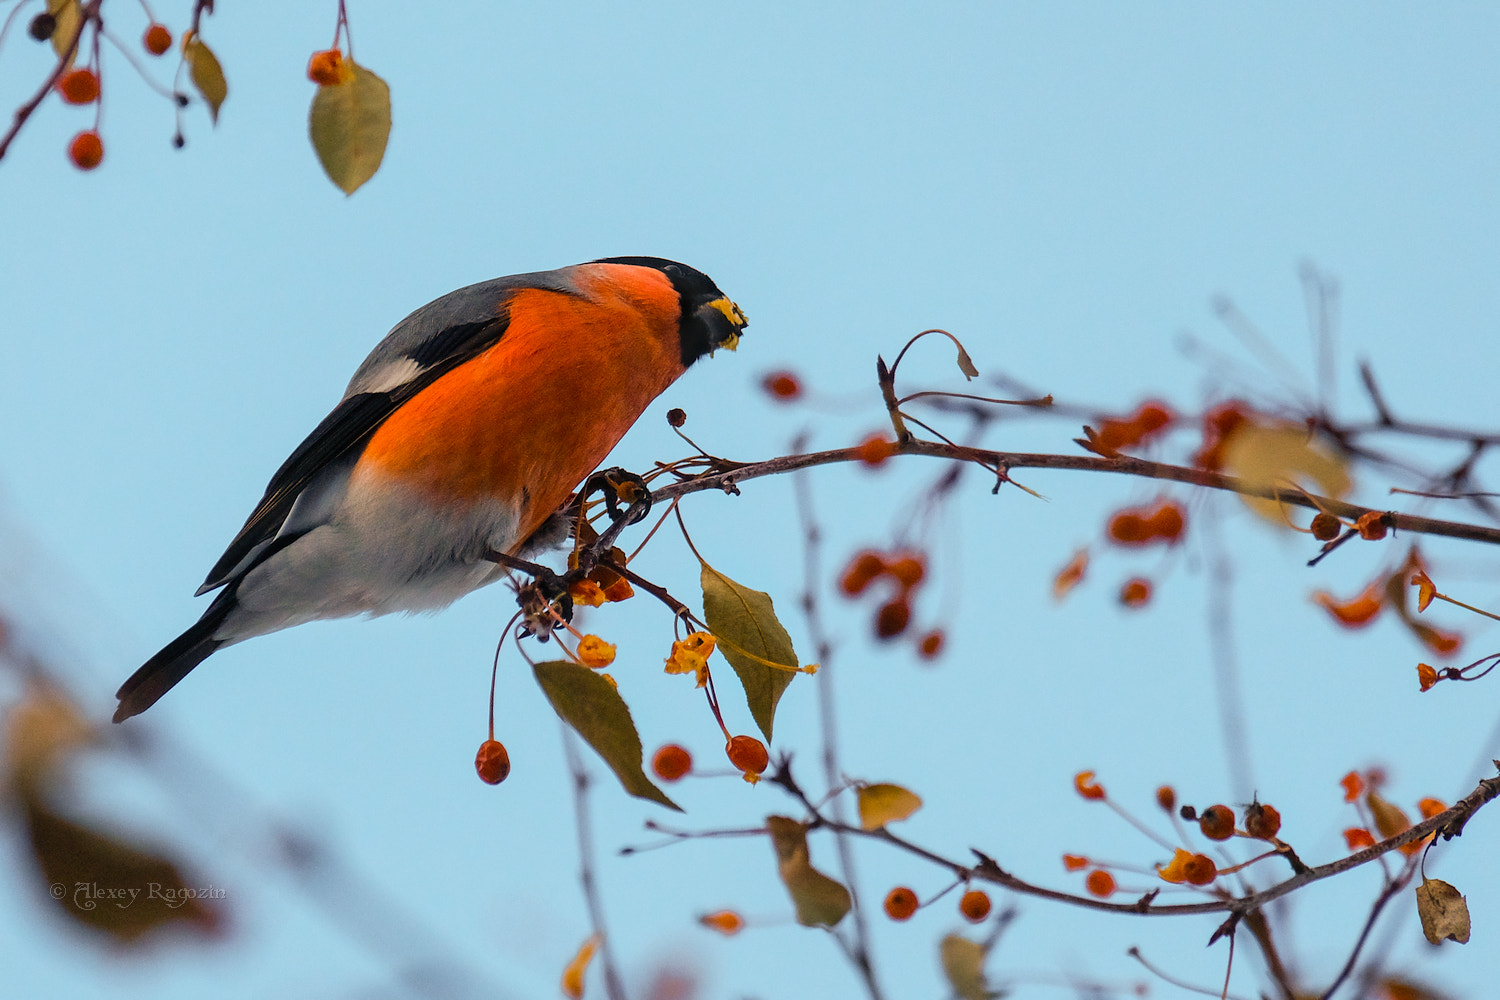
{"points": [[752, 640], [595, 710], [207, 74], [349, 125], [819, 899]]}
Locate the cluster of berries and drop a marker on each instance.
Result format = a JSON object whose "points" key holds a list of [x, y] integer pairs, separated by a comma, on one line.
{"points": [[81, 87]]}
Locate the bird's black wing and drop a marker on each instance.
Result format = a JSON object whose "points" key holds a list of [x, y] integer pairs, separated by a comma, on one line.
{"points": [[347, 428]]}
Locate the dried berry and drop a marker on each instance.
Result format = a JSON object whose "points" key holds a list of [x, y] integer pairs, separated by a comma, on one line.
{"points": [[892, 619], [42, 26], [1262, 821], [1325, 527], [1217, 822]]}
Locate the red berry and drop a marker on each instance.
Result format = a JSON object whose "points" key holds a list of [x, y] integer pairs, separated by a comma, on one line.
{"points": [[975, 905], [86, 150], [900, 903], [79, 86], [931, 645], [892, 619], [1101, 883], [671, 762], [157, 39], [492, 762], [863, 569], [782, 385], [1262, 821], [748, 754], [1136, 593]]}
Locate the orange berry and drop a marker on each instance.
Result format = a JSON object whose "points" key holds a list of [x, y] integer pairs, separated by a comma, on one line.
{"points": [[892, 619], [157, 39], [1372, 525], [327, 68], [782, 385], [875, 449], [1136, 593], [1325, 527], [1167, 522], [863, 569], [749, 755], [492, 762], [1262, 821], [1129, 528], [1166, 797], [1217, 822], [79, 86], [931, 645], [726, 922], [86, 150], [975, 905], [900, 903], [908, 571], [1101, 883], [1200, 869], [671, 762]]}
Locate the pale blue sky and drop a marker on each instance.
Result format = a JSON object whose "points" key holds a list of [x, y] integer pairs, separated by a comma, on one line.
{"points": [[1064, 186]]}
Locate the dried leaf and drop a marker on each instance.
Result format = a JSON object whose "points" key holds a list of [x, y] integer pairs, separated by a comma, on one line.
{"points": [[207, 75], [752, 640], [572, 977], [819, 899], [111, 886], [966, 364], [349, 124], [68, 22], [1444, 912], [963, 964], [1389, 819], [590, 704], [882, 804], [1281, 455]]}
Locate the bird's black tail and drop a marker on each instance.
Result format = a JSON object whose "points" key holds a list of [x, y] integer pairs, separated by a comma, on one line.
{"points": [[161, 673]]}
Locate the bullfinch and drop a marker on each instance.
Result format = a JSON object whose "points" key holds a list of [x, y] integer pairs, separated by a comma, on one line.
{"points": [[463, 433]]}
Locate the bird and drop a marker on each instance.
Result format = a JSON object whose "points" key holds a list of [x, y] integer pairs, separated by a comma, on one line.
{"points": [[463, 434]]}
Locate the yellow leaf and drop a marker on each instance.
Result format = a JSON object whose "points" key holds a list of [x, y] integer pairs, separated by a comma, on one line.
{"points": [[207, 75], [349, 124], [753, 641], [590, 703], [1282, 455], [963, 964], [41, 729], [68, 23], [819, 899], [572, 977], [1444, 912], [882, 804]]}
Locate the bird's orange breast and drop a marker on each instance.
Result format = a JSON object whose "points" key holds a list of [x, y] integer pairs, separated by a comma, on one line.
{"points": [[527, 420]]}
